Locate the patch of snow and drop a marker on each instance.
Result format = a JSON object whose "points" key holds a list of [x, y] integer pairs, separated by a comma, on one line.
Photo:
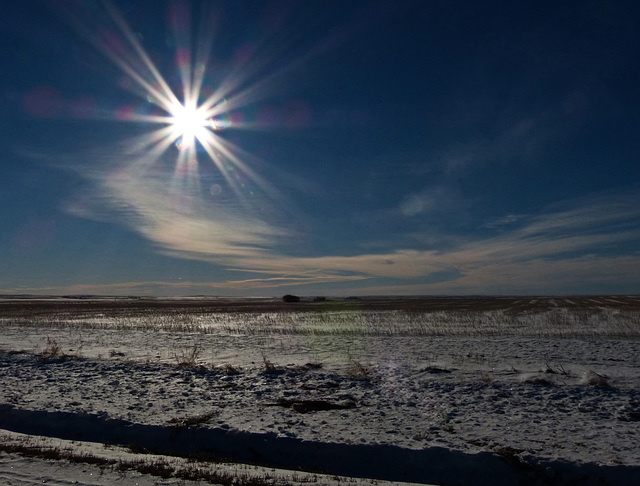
{"points": [[423, 409]]}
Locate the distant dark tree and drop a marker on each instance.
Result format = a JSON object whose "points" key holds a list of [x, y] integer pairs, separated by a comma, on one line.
{"points": [[319, 299], [291, 298]]}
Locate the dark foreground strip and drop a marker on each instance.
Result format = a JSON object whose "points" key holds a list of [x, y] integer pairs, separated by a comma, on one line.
{"points": [[433, 465]]}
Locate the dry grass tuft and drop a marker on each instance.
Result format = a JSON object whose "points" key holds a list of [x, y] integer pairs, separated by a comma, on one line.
{"points": [[358, 370], [268, 365], [230, 369], [555, 370], [196, 471], [485, 378], [596, 379], [188, 358], [51, 350]]}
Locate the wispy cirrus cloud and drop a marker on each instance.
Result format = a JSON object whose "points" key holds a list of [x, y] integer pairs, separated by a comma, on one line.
{"points": [[228, 287], [176, 219], [588, 240], [587, 274], [590, 227]]}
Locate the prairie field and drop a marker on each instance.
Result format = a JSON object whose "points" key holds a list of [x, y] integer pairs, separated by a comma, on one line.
{"points": [[441, 390]]}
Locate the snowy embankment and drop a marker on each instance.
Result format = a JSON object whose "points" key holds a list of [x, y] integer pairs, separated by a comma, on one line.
{"points": [[516, 409]]}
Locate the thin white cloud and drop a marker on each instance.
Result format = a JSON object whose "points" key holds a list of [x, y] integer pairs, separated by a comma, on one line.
{"points": [[541, 252], [577, 243], [180, 220], [548, 275], [507, 220], [440, 198], [579, 275], [188, 287], [596, 214]]}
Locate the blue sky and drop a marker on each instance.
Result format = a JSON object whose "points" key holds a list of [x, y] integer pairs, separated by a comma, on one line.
{"points": [[340, 148]]}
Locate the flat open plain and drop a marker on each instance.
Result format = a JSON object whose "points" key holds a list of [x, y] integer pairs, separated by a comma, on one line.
{"points": [[486, 390]]}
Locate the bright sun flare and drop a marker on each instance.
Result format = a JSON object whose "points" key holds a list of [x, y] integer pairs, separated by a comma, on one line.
{"points": [[190, 123], [191, 120]]}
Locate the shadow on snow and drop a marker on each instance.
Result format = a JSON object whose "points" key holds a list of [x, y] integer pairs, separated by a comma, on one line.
{"points": [[432, 465]]}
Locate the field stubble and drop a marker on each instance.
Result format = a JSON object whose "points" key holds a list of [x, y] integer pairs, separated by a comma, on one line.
{"points": [[430, 333], [538, 318], [521, 376]]}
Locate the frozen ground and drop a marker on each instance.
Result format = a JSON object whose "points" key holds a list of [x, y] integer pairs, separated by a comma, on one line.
{"points": [[515, 404]]}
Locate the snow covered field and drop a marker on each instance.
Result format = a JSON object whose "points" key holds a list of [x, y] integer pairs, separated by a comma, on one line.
{"points": [[439, 391]]}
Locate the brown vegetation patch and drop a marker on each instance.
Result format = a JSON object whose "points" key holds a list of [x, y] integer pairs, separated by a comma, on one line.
{"points": [[192, 421], [538, 380], [306, 406]]}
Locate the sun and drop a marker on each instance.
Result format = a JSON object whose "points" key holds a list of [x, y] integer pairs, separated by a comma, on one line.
{"points": [[188, 112], [189, 123]]}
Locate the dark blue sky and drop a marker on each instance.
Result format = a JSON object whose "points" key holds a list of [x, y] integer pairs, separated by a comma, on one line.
{"points": [[361, 147]]}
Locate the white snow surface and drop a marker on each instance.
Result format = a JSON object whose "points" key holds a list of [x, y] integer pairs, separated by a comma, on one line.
{"points": [[437, 409]]}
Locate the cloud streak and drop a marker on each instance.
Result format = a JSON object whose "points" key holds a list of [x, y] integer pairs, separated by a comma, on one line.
{"points": [[177, 220], [590, 228], [564, 247]]}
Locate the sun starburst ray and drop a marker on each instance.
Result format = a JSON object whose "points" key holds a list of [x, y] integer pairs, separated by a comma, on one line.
{"points": [[192, 115], [151, 139], [219, 150], [168, 97], [163, 96]]}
